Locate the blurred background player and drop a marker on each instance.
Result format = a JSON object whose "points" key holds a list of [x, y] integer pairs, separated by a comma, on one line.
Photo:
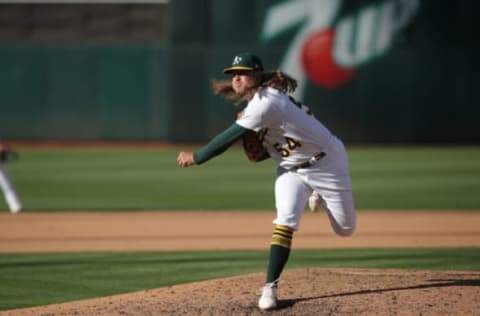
{"points": [[11, 197]]}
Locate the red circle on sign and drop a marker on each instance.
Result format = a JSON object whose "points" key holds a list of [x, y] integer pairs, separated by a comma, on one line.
{"points": [[318, 62]]}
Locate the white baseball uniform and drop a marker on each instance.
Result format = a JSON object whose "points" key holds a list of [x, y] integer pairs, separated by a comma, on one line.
{"points": [[9, 191], [292, 136]]}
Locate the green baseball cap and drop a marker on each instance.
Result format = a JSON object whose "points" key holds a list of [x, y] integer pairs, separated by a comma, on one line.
{"points": [[245, 61]]}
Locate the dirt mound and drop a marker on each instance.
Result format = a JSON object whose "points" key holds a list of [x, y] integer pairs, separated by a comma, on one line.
{"points": [[301, 292]]}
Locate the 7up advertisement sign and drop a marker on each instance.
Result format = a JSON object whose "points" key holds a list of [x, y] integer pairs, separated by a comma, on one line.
{"points": [[329, 47]]}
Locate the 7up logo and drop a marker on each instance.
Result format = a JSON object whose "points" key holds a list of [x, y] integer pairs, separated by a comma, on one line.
{"points": [[328, 53]]}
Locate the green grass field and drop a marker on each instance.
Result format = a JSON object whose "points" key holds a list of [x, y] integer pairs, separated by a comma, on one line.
{"points": [[39, 279], [435, 178], [148, 179]]}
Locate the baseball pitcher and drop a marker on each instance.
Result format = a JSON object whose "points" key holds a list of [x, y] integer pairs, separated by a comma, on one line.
{"points": [[312, 162]]}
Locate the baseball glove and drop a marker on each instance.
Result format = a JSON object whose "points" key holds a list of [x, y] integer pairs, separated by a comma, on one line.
{"points": [[8, 155], [253, 147]]}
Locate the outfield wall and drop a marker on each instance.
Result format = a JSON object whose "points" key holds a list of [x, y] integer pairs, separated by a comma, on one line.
{"points": [[373, 71]]}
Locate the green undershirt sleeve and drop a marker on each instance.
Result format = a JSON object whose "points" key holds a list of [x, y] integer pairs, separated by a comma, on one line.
{"points": [[219, 143]]}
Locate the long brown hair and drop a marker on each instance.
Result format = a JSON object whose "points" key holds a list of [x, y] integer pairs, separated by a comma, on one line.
{"points": [[275, 79]]}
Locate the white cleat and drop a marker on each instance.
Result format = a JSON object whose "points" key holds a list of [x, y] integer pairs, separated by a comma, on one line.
{"points": [[314, 202], [15, 209], [268, 299], [13, 203]]}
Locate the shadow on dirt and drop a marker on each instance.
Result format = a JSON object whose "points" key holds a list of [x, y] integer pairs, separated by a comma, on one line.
{"points": [[283, 304]]}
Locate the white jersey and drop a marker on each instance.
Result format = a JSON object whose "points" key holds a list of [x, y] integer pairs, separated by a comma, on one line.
{"points": [[288, 129]]}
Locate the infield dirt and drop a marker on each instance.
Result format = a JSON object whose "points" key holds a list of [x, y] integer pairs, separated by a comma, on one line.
{"points": [[301, 292]]}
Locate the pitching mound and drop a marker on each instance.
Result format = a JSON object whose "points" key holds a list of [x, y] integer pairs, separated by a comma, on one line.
{"points": [[301, 292]]}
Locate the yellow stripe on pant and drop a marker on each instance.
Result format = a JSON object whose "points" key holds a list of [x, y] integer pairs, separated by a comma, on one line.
{"points": [[282, 236]]}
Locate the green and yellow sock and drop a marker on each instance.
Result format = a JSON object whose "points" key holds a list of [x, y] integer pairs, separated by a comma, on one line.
{"points": [[279, 252]]}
